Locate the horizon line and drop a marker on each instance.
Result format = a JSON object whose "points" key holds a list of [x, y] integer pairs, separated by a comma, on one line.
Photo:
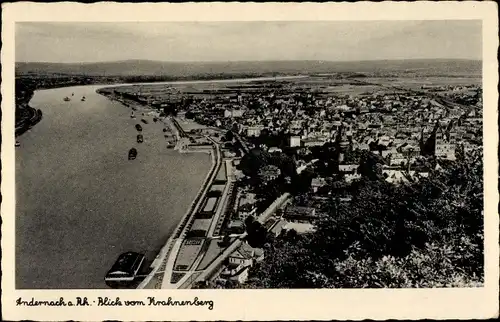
{"points": [[248, 61]]}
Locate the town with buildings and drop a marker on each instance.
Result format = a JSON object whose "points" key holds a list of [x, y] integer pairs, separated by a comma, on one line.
{"points": [[283, 149]]}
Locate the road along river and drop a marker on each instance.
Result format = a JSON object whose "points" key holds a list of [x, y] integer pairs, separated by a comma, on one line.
{"points": [[80, 202]]}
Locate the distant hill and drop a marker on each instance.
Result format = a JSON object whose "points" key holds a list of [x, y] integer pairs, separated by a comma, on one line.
{"points": [[186, 69]]}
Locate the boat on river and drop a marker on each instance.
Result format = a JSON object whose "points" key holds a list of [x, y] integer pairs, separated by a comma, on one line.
{"points": [[132, 154], [171, 144], [125, 269], [66, 99], [140, 138], [138, 127], [83, 99]]}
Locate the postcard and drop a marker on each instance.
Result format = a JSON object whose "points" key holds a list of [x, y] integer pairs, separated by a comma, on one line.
{"points": [[244, 161]]}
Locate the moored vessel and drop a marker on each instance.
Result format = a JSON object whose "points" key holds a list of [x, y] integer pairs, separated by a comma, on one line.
{"points": [[124, 270], [132, 154]]}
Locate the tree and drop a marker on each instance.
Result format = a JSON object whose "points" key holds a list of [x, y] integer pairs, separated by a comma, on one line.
{"points": [[291, 234], [256, 234], [301, 183], [226, 240], [252, 161], [370, 166], [436, 265], [285, 163], [427, 233], [229, 136], [248, 223]]}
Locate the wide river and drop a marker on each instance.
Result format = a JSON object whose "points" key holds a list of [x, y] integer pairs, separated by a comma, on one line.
{"points": [[80, 202]]}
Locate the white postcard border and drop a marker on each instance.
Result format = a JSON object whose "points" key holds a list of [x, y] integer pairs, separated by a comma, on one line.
{"points": [[260, 304]]}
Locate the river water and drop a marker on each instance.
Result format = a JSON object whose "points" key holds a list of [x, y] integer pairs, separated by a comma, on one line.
{"points": [[80, 202]]}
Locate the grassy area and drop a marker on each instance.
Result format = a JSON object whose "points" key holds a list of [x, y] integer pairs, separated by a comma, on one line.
{"points": [[187, 255]]}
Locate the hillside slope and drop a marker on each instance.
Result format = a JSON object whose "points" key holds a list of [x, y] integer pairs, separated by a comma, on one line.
{"points": [[183, 69]]}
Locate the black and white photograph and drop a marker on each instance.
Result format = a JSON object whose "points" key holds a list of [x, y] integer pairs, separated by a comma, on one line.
{"points": [[247, 155]]}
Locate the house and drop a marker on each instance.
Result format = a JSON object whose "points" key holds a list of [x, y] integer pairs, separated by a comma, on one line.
{"points": [[314, 142], [399, 176], [299, 214], [238, 274], [246, 205], [397, 158], [317, 183], [254, 130], [236, 227], [294, 141], [246, 255], [348, 168]]}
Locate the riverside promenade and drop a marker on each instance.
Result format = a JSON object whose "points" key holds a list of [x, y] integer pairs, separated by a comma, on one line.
{"points": [[215, 267], [178, 244], [160, 265], [165, 275]]}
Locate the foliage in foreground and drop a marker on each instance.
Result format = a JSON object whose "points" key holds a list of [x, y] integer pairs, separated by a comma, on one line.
{"points": [[423, 234]]}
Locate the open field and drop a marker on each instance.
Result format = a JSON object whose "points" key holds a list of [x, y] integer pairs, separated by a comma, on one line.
{"points": [[337, 84], [430, 81], [187, 254]]}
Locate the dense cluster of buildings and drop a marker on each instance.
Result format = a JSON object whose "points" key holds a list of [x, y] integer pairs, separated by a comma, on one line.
{"points": [[395, 124], [404, 127]]}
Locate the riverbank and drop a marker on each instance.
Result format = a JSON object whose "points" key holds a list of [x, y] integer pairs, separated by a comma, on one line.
{"points": [[28, 118]]}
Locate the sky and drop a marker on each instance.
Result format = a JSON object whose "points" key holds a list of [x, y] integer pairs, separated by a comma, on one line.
{"points": [[69, 42]]}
